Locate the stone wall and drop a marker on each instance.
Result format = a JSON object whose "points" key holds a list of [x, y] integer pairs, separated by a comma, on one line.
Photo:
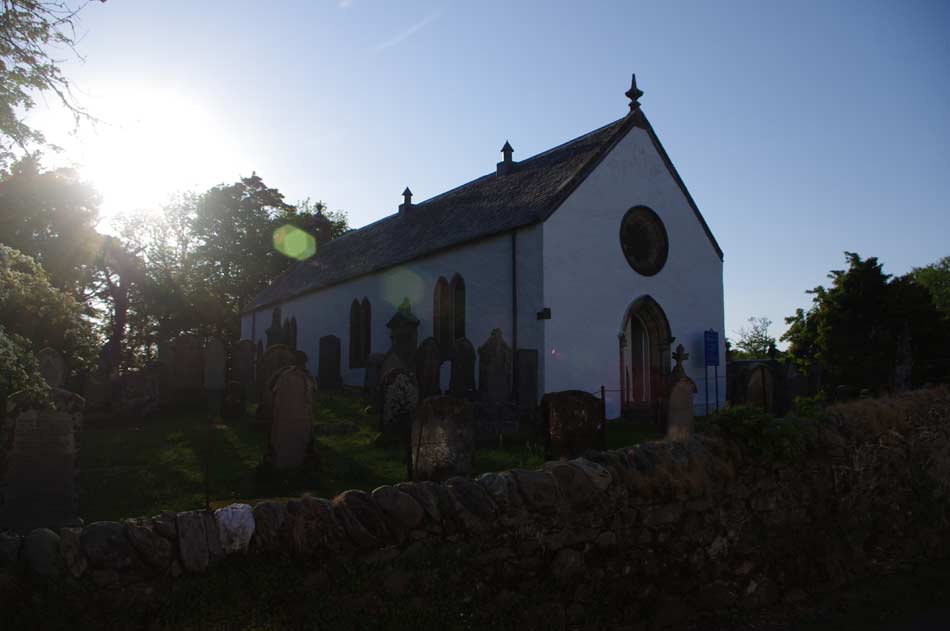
{"points": [[651, 535]]}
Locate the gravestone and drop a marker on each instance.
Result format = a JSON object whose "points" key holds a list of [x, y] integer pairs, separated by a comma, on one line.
{"points": [[189, 370], [527, 371], [442, 443], [242, 367], [573, 423], [760, 389], [399, 398], [215, 373], [462, 382], [39, 462], [428, 365], [679, 407], [275, 332], [403, 333], [276, 358], [235, 401], [52, 367], [291, 430], [288, 335], [374, 364], [328, 366], [494, 369]]}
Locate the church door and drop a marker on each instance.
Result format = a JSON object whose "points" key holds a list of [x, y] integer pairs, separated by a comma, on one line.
{"points": [[645, 342]]}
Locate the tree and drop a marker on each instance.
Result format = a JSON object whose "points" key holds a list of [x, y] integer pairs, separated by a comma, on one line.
{"points": [[30, 31], [35, 314], [853, 328], [936, 278], [754, 341], [51, 216]]}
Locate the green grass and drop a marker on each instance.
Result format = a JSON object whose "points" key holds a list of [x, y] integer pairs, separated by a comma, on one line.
{"points": [[159, 465]]}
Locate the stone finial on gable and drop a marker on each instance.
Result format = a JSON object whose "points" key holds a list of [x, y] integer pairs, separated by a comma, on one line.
{"points": [[634, 94], [507, 165], [406, 201]]}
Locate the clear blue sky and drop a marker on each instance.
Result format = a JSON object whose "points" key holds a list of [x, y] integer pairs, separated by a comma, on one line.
{"points": [[801, 129]]}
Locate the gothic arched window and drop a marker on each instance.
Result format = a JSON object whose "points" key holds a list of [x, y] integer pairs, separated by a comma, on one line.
{"points": [[366, 328], [458, 308], [356, 351]]}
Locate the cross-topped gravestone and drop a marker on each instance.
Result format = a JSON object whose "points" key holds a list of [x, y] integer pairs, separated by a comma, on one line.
{"points": [[404, 332], [679, 408]]}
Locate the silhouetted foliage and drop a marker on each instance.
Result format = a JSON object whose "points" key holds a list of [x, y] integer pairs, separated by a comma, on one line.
{"points": [[754, 341], [853, 328]]}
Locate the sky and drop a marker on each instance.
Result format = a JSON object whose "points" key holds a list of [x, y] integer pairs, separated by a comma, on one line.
{"points": [[801, 129]]}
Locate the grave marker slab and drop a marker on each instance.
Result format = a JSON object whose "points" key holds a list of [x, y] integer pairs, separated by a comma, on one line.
{"points": [[462, 383], [275, 358], [39, 463], [443, 439], [291, 431], [494, 369], [573, 423], [52, 367], [428, 368], [399, 399]]}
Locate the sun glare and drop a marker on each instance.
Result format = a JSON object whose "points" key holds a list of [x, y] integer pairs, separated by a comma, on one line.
{"points": [[150, 144]]}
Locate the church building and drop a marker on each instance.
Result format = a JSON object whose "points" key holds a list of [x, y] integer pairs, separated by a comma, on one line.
{"points": [[591, 259]]}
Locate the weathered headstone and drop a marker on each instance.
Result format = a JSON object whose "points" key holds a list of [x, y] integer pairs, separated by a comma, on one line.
{"points": [[760, 389], [275, 332], [291, 431], [52, 367], [276, 357], [328, 366], [573, 423], [462, 383], [494, 369], [242, 366], [189, 370], [235, 401], [288, 334], [39, 462], [679, 407], [527, 371], [399, 397], [442, 444], [374, 364], [428, 364], [403, 333], [215, 370]]}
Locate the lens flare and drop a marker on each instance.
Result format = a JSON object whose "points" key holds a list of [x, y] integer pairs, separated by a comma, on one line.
{"points": [[294, 242]]}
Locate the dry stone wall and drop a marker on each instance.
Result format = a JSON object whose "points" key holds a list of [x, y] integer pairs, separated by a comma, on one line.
{"points": [[652, 534]]}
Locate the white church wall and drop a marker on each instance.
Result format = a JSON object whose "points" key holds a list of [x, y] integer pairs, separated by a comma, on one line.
{"points": [[588, 283], [484, 265]]}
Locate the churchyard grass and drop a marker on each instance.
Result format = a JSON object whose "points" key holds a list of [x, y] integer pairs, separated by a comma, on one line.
{"points": [[127, 471]]}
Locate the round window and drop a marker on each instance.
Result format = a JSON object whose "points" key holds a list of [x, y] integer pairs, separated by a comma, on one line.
{"points": [[644, 241]]}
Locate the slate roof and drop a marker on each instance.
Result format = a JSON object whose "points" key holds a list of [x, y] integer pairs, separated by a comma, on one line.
{"points": [[487, 206]]}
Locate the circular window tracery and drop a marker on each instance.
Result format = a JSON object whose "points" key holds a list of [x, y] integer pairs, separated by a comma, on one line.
{"points": [[644, 240]]}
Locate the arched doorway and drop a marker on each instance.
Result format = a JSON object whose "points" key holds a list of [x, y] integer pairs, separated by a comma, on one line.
{"points": [[645, 342]]}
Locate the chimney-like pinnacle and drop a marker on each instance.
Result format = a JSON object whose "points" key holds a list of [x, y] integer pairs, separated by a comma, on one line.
{"points": [[507, 165], [406, 201]]}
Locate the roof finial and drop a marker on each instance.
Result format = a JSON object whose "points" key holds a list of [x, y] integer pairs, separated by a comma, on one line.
{"points": [[634, 94], [507, 151], [406, 201]]}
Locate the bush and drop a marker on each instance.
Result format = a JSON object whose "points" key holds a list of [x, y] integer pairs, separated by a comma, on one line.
{"points": [[763, 435]]}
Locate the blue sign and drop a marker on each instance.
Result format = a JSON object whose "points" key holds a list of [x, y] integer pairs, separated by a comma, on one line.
{"points": [[711, 343]]}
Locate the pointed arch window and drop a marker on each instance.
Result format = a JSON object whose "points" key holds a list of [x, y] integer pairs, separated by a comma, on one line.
{"points": [[360, 326], [442, 316], [458, 308], [366, 328]]}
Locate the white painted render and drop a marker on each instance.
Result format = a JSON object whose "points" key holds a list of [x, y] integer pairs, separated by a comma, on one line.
{"points": [[486, 267], [588, 283]]}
